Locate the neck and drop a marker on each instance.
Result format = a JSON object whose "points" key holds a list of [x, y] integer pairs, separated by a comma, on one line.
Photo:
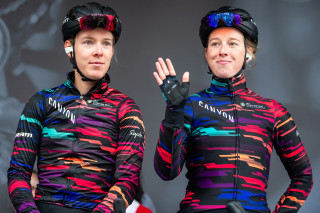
{"points": [[83, 86]]}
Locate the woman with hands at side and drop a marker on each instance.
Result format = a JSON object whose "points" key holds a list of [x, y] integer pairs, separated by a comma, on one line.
{"points": [[225, 134], [87, 138]]}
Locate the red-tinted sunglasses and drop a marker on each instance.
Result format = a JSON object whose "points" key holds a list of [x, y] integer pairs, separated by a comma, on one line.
{"points": [[90, 22]]}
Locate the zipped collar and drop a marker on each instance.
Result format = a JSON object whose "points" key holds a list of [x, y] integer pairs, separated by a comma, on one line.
{"points": [[100, 87], [230, 86]]}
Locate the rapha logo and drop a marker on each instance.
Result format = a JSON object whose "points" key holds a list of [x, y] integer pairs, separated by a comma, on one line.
{"points": [[248, 105], [135, 134]]}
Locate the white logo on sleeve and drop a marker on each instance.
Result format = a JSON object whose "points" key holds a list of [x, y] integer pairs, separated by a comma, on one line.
{"points": [[135, 134], [24, 134]]}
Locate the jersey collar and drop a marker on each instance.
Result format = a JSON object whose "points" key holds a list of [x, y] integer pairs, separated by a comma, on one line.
{"points": [[100, 87], [230, 86]]}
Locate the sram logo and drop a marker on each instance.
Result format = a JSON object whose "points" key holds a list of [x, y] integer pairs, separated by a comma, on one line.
{"points": [[23, 134]]}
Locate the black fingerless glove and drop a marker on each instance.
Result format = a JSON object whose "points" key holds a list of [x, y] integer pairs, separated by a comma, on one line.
{"points": [[174, 93]]}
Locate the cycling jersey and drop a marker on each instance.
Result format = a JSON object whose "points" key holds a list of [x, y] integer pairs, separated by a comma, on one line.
{"points": [[225, 135], [89, 148]]}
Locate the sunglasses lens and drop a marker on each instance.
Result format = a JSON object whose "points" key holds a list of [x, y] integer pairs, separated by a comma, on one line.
{"points": [[229, 19], [91, 22]]}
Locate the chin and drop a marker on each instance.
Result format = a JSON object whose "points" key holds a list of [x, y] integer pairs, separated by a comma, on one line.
{"points": [[225, 74], [97, 75]]}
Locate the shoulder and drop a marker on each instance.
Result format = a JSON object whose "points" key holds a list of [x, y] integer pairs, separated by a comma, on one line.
{"points": [[276, 107], [259, 97], [56, 89], [35, 98], [113, 93], [270, 103], [45, 93], [122, 98]]}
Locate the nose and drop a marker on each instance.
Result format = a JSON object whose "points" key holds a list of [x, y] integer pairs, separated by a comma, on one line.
{"points": [[98, 50], [223, 49]]}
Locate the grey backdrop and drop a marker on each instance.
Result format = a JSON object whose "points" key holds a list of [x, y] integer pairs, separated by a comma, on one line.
{"points": [[32, 58]]}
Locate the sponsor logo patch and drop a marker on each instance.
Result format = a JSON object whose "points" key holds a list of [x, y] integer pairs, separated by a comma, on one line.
{"points": [[253, 106]]}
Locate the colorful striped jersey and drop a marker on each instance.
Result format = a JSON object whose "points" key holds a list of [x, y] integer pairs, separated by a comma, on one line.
{"points": [[225, 135], [89, 147]]}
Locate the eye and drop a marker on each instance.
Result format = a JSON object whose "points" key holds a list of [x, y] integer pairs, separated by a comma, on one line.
{"points": [[214, 44], [107, 43], [233, 44], [88, 42]]}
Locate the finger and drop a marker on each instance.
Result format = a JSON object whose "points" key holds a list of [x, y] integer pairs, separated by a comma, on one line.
{"points": [[158, 79], [185, 77], [163, 66], [162, 75], [170, 67]]}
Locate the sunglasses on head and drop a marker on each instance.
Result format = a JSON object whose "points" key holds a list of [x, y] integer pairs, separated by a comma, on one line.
{"points": [[90, 22], [229, 19]]}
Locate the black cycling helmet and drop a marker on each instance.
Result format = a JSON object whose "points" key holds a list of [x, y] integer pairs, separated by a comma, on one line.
{"points": [[71, 24], [228, 17]]}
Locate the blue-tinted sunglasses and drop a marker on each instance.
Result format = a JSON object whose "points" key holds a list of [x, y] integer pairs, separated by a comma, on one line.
{"points": [[229, 19]]}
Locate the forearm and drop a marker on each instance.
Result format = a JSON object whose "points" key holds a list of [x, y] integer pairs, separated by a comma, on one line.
{"points": [[20, 191], [170, 152], [126, 182], [297, 193]]}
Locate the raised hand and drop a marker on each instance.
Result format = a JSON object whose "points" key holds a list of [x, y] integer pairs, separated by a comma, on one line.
{"points": [[174, 93]]}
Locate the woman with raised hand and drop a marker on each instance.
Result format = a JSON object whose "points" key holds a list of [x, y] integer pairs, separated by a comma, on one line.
{"points": [[225, 134]]}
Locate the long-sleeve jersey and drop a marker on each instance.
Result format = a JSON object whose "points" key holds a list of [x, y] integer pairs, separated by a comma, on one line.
{"points": [[89, 147], [225, 135]]}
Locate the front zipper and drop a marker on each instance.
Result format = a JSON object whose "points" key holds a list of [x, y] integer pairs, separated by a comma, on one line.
{"points": [[233, 99], [76, 139], [75, 123], [237, 148], [65, 192]]}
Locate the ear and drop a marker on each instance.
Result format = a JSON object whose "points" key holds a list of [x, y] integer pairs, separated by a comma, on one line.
{"points": [[68, 47], [249, 55]]}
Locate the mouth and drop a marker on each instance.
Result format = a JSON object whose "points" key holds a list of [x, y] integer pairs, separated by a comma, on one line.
{"points": [[223, 62], [96, 63]]}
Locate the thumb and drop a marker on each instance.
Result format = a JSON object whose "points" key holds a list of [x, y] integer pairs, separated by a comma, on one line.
{"points": [[185, 77]]}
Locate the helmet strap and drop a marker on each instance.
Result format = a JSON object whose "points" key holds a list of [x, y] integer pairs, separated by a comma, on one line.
{"points": [[245, 55]]}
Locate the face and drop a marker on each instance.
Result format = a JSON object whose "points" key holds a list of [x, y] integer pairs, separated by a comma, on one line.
{"points": [[94, 50], [225, 52]]}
